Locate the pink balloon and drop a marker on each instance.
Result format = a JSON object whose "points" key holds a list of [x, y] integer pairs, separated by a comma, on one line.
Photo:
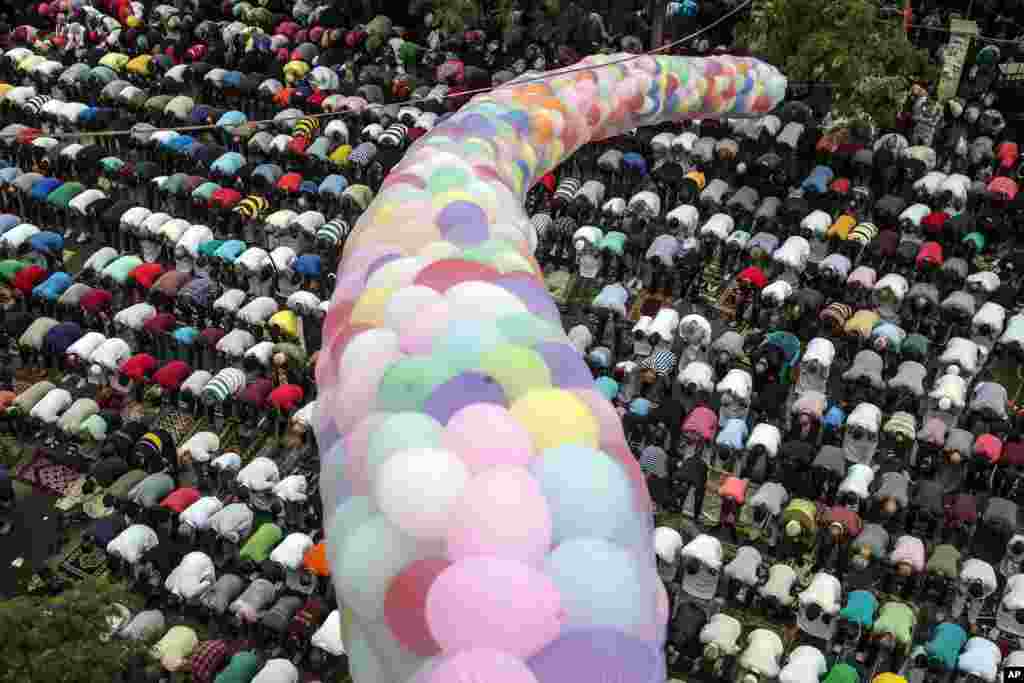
{"points": [[656, 632], [486, 435], [475, 666], [357, 444], [362, 365], [417, 337], [502, 512], [492, 602]]}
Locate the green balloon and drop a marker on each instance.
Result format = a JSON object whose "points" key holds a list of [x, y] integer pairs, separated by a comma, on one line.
{"points": [[447, 178], [400, 432], [527, 329], [349, 516], [409, 382]]}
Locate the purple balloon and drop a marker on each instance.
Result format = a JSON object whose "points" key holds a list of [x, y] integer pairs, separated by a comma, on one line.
{"points": [[463, 223], [461, 391], [478, 125], [563, 360], [598, 656], [532, 293]]}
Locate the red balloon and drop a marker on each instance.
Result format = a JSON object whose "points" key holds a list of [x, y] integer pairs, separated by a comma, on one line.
{"points": [[446, 273], [405, 606]]}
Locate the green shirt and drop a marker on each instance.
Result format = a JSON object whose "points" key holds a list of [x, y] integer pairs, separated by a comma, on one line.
{"points": [[242, 668], [259, 545]]}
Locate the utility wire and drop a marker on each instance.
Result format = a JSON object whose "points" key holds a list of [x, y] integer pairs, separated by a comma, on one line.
{"points": [[411, 102]]}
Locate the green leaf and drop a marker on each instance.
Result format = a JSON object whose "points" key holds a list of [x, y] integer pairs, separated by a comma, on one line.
{"points": [[869, 61]]}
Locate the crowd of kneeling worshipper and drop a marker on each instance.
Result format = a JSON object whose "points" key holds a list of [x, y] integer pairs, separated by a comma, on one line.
{"points": [[813, 325]]}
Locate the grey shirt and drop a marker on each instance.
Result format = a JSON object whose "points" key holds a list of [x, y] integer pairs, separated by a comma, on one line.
{"points": [[233, 523], [144, 625], [227, 588], [151, 490], [895, 485]]}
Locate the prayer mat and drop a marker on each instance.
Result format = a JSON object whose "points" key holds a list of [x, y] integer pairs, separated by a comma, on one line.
{"points": [[73, 495], [178, 423], [46, 476], [81, 563]]}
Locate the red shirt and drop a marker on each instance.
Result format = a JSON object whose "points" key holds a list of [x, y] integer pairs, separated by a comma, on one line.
{"points": [[225, 198], [286, 397], [179, 499], [256, 392], [290, 182], [146, 274], [96, 300], [139, 366], [173, 374], [28, 277], [160, 323]]}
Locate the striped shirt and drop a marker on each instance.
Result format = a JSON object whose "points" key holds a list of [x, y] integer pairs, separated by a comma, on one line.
{"points": [[333, 232], [394, 136], [661, 362], [252, 206], [567, 189], [35, 104], [654, 460], [225, 384], [308, 128]]}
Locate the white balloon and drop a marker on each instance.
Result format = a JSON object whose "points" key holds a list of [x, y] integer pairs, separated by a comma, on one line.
{"points": [[483, 300], [376, 343], [406, 304], [417, 489]]}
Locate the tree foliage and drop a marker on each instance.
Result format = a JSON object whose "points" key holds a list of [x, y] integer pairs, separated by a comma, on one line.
{"points": [[61, 639], [868, 60]]}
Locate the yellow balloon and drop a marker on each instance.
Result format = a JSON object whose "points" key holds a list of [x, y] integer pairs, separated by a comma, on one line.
{"points": [[517, 369], [369, 308], [575, 424]]}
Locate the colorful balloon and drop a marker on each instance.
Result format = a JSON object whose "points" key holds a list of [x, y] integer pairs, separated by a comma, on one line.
{"points": [[417, 489], [470, 666], [601, 584], [464, 611], [588, 493], [440, 311], [405, 605], [575, 423], [502, 512], [602, 655]]}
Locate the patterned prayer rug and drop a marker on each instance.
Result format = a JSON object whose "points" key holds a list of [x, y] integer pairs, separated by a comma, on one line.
{"points": [[82, 562], [46, 475]]}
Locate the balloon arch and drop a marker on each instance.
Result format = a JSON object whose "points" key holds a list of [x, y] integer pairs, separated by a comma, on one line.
{"points": [[484, 515]]}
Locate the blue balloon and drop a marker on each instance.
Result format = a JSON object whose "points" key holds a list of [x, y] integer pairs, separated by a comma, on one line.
{"points": [[464, 341], [601, 584], [588, 493]]}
